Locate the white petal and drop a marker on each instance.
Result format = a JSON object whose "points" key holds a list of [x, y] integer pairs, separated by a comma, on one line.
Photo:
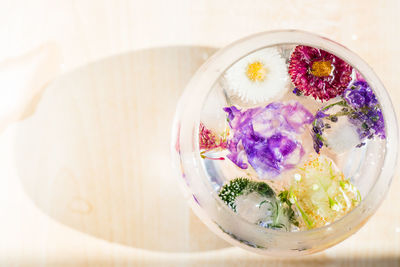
{"points": [[274, 84]]}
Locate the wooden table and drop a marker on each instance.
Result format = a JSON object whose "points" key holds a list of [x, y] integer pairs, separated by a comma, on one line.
{"points": [[85, 175]]}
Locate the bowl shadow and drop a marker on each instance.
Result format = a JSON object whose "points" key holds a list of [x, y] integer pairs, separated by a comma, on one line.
{"points": [[95, 153]]}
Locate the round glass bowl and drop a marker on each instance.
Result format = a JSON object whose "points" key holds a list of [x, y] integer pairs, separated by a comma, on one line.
{"points": [[200, 191]]}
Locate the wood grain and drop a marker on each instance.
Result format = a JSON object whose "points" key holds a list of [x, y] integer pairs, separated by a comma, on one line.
{"points": [[95, 155], [86, 179]]}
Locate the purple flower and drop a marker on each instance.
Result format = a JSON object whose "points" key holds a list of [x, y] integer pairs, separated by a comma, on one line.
{"points": [[321, 114], [318, 126], [369, 123], [266, 137], [296, 91], [360, 95], [362, 109], [367, 114]]}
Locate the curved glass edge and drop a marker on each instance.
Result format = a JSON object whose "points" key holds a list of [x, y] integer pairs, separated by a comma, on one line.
{"points": [[185, 129]]}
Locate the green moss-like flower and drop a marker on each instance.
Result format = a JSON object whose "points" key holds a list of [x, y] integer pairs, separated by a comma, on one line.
{"points": [[281, 216], [238, 186]]}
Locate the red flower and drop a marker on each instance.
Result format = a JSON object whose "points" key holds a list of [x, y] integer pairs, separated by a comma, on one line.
{"points": [[318, 73]]}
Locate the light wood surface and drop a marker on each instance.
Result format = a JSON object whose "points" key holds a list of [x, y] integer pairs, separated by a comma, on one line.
{"points": [[85, 173]]}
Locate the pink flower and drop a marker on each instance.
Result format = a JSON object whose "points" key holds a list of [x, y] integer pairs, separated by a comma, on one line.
{"points": [[209, 141], [318, 73]]}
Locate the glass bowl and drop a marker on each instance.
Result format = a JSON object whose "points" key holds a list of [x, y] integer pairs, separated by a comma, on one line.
{"points": [[204, 200]]}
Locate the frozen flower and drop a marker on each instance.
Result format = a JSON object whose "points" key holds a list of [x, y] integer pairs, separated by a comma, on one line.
{"points": [[258, 77], [323, 194], [257, 203], [209, 141], [360, 95], [323, 120], [362, 110], [317, 128], [318, 73], [267, 137], [367, 115], [369, 123]]}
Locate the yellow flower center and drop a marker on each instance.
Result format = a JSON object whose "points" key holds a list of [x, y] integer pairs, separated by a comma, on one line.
{"points": [[321, 68], [256, 72]]}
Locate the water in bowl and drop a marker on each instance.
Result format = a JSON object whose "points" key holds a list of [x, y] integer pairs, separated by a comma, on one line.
{"points": [[285, 133]]}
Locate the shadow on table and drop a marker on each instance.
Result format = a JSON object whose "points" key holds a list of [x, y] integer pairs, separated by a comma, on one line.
{"points": [[95, 153]]}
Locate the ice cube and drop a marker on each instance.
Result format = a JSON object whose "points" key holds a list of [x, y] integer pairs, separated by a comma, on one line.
{"points": [[343, 138], [253, 207]]}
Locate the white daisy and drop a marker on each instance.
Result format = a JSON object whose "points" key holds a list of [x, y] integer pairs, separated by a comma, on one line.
{"points": [[258, 77]]}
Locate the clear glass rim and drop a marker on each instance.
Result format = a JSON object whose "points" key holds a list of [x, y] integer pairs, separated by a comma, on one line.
{"points": [[214, 67]]}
